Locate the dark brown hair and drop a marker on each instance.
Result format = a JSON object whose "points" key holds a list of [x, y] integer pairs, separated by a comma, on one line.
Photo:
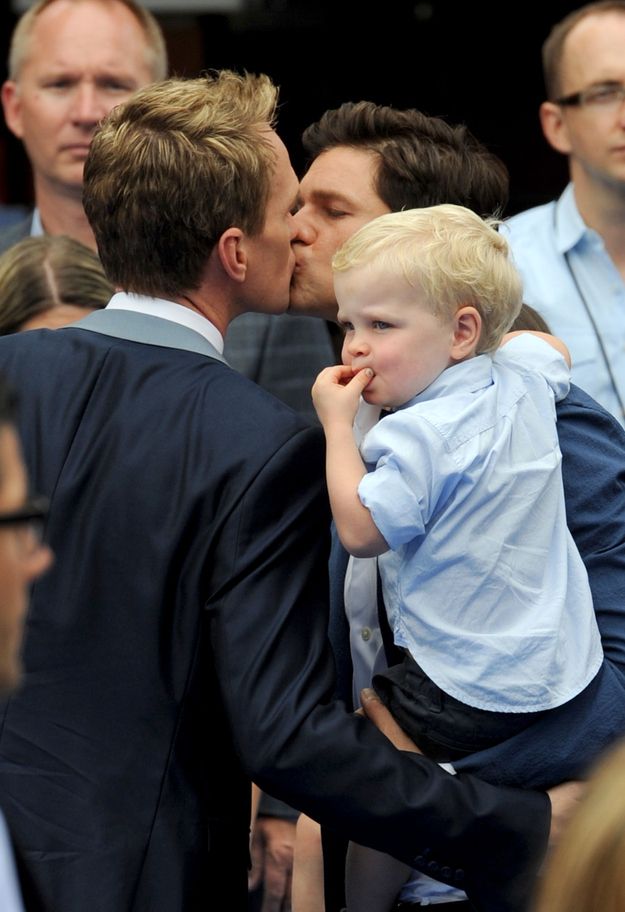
{"points": [[422, 160]]}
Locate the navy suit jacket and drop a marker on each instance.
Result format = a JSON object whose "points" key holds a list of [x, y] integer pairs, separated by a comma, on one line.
{"points": [[283, 354], [178, 647]]}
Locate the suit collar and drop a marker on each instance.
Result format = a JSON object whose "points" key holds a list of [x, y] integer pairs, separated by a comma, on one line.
{"points": [[150, 330]]}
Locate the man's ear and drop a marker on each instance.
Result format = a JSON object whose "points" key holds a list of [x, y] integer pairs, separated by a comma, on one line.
{"points": [[467, 331], [12, 105], [554, 127], [232, 254]]}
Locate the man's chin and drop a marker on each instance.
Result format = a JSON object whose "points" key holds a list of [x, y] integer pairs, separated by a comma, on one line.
{"points": [[69, 179]]}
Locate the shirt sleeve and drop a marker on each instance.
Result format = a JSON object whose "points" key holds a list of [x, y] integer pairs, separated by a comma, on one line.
{"points": [[410, 475], [529, 353]]}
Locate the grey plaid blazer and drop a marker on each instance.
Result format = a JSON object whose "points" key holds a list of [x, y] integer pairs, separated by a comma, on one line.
{"points": [[283, 354]]}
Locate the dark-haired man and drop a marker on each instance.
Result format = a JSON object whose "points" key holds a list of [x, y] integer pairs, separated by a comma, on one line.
{"points": [[368, 159]]}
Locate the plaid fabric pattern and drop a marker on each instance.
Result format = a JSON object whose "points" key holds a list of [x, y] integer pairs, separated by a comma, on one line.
{"points": [[283, 354]]}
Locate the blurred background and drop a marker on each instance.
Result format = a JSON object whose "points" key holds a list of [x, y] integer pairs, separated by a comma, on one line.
{"points": [[475, 63]]}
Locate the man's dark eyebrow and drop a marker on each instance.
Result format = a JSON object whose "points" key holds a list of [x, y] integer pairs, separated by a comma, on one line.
{"points": [[332, 195]]}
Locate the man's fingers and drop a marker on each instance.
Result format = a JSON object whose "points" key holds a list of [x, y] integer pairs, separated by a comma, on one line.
{"points": [[377, 713]]}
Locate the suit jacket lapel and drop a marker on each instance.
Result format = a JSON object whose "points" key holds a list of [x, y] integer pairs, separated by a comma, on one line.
{"points": [[138, 327]]}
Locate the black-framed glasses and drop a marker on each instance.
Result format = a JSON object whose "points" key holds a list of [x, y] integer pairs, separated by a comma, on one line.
{"points": [[605, 96], [29, 520]]}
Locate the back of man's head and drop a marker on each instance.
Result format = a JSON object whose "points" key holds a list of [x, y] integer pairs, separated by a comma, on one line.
{"points": [[171, 169], [422, 161], [155, 45]]}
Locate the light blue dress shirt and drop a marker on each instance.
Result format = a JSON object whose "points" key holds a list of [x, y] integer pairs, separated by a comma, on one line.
{"points": [[10, 896], [568, 274], [483, 583], [36, 226]]}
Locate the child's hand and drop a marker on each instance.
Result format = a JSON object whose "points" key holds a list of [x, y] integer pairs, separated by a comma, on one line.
{"points": [[336, 393]]}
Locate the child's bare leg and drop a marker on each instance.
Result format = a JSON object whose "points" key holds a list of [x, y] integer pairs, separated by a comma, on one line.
{"points": [[372, 879], [307, 886]]}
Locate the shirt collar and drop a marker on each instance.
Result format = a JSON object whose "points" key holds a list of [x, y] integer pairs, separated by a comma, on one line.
{"points": [[471, 375], [569, 226], [36, 226], [169, 310]]}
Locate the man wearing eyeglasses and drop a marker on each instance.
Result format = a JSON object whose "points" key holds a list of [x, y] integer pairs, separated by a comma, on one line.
{"points": [[571, 252], [22, 559]]}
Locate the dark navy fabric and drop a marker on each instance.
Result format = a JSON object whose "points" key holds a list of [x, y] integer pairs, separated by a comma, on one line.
{"points": [[178, 648]]}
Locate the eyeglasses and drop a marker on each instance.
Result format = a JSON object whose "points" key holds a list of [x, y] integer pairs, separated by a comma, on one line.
{"points": [[608, 95], [29, 521]]}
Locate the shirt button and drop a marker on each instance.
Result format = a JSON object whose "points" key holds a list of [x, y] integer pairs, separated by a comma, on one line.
{"points": [[365, 633]]}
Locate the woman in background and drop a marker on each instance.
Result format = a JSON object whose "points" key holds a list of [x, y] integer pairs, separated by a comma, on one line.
{"points": [[48, 282]]}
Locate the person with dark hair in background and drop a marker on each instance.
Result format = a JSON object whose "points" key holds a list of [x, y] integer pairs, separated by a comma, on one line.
{"points": [[571, 252], [49, 281]]}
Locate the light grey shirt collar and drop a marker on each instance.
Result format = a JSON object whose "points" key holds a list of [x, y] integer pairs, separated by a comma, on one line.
{"points": [[168, 310]]}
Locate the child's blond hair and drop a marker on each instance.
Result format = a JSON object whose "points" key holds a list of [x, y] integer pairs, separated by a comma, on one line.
{"points": [[454, 257]]}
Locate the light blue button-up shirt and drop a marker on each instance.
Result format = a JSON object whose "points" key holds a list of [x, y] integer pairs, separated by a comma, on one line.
{"points": [[10, 897], [483, 583], [567, 273]]}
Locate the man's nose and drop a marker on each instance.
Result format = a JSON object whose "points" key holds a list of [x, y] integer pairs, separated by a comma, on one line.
{"points": [[304, 230], [88, 107]]}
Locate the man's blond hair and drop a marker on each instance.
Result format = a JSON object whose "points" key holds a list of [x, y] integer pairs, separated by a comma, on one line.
{"points": [[156, 49], [450, 255], [171, 169]]}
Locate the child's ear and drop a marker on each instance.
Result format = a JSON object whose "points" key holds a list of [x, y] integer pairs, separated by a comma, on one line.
{"points": [[467, 331]]}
